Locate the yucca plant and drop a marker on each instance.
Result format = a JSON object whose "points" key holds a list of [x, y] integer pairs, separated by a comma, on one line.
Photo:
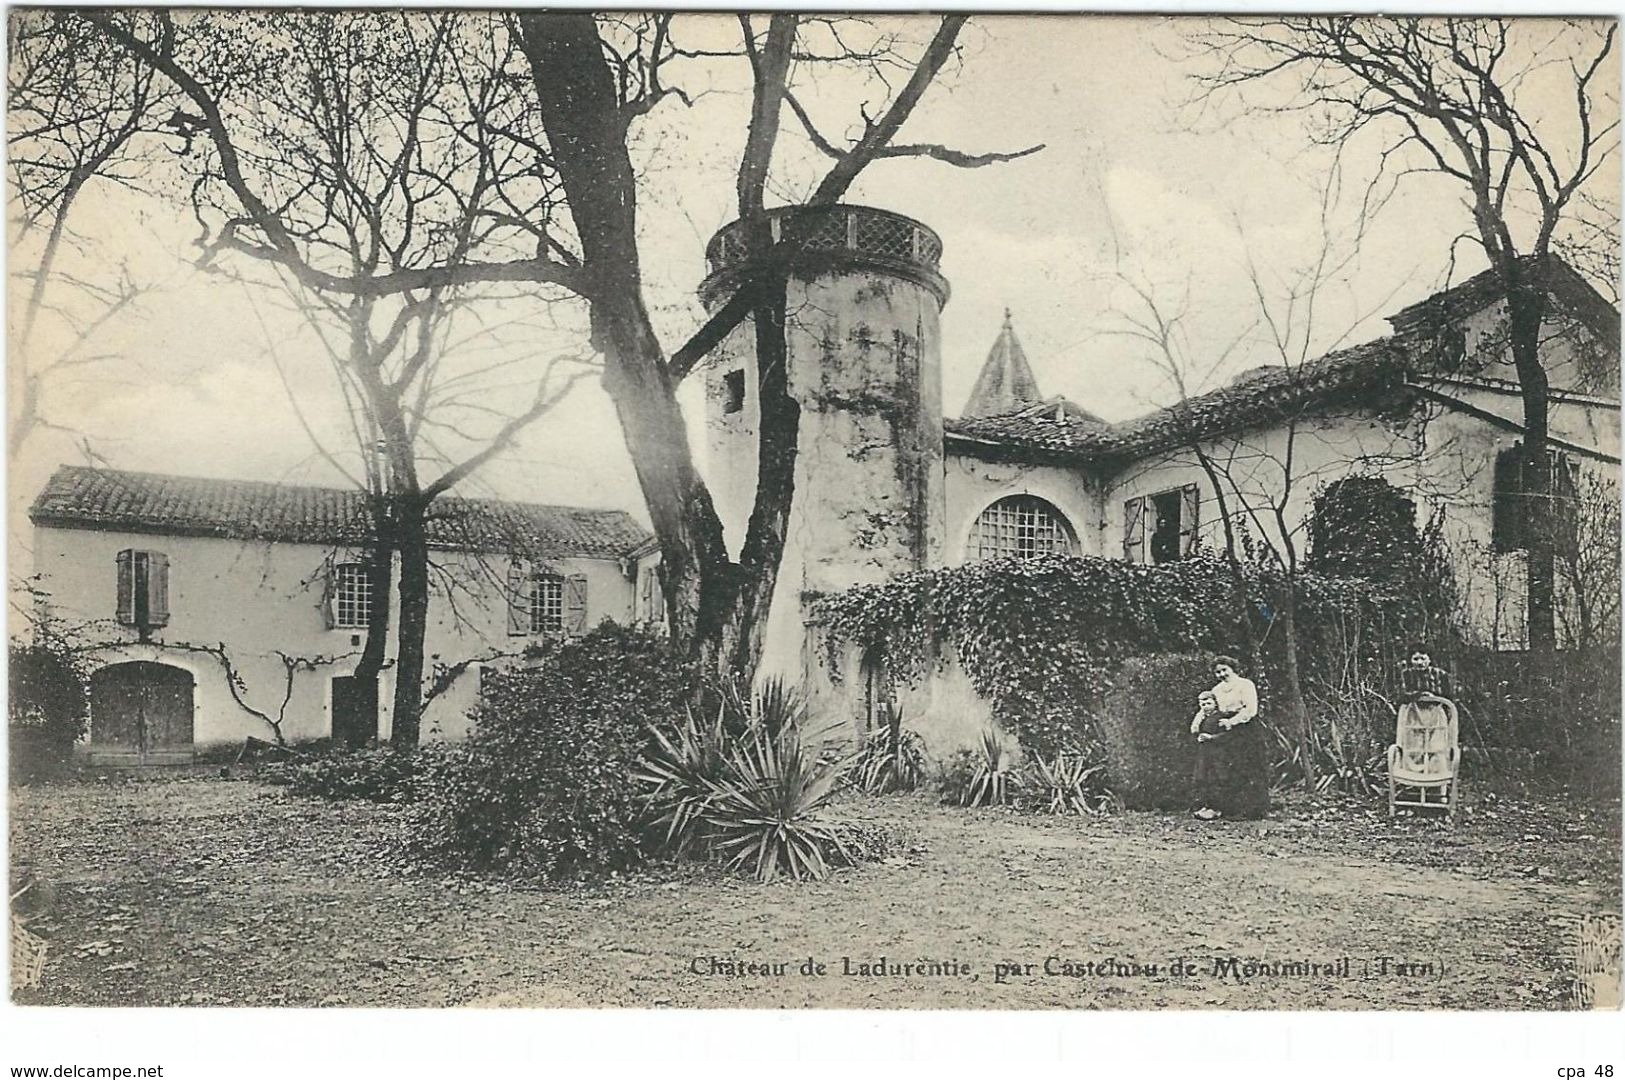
{"points": [[777, 706], [893, 758], [766, 812], [995, 778], [678, 774], [1068, 784]]}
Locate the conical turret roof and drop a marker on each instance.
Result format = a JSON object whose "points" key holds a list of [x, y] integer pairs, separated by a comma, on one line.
{"points": [[1006, 383]]}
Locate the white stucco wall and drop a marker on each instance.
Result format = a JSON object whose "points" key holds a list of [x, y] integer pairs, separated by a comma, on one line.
{"points": [[259, 598]]}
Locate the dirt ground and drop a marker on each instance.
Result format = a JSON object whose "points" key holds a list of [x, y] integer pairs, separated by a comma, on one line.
{"points": [[214, 892]]}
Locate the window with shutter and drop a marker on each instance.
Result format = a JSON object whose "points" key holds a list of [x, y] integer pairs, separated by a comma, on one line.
{"points": [[142, 589], [546, 603], [1161, 527], [575, 604], [1166, 515], [1518, 508]]}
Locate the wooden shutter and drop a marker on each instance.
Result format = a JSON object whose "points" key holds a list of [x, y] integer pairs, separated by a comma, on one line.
{"points": [[1565, 500], [126, 587], [1190, 508], [1507, 506], [1134, 530], [518, 598], [157, 589], [329, 604], [575, 604]]}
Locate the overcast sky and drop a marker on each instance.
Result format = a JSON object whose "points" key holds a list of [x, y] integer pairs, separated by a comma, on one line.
{"points": [[1128, 178]]}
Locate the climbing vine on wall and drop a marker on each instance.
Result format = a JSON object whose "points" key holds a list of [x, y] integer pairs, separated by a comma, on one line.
{"points": [[1040, 638]]}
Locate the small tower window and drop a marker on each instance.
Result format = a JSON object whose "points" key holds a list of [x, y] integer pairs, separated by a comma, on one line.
{"points": [[733, 391]]}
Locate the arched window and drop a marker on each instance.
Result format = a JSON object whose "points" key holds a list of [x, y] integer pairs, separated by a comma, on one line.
{"points": [[1021, 525]]}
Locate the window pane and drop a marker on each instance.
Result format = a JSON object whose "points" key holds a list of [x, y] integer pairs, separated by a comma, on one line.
{"points": [[352, 595], [546, 604]]}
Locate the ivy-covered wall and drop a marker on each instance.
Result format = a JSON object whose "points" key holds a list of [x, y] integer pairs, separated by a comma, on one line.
{"points": [[1040, 640]]}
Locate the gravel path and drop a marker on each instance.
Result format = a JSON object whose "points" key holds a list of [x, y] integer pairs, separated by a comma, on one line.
{"points": [[226, 893]]}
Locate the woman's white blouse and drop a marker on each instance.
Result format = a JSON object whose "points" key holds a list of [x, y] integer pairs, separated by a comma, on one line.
{"points": [[1237, 695]]}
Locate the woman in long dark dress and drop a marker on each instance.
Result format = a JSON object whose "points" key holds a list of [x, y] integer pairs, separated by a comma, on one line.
{"points": [[1232, 772]]}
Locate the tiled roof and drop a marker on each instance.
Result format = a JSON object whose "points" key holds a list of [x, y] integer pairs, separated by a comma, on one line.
{"points": [[1265, 394], [1006, 382], [1258, 396], [78, 497], [1566, 285]]}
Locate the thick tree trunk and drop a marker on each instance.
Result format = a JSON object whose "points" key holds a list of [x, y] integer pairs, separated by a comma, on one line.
{"points": [[1526, 311], [778, 442], [381, 578], [414, 621], [586, 126]]}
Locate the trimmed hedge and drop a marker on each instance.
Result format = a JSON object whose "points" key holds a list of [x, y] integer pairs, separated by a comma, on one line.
{"points": [[1145, 723]]}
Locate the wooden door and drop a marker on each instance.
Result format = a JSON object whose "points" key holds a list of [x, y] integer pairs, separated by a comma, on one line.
{"points": [[355, 711], [141, 714]]}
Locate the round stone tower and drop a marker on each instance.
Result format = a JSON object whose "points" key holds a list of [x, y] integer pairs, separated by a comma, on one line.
{"points": [[865, 365]]}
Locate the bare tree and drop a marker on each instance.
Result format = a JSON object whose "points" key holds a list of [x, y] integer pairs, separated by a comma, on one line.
{"points": [[547, 114], [356, 157], [425, 411], [1262, 467], [76, 110], [717, 607], [1520, 113]]}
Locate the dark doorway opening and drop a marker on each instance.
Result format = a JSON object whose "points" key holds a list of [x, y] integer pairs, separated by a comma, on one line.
{"points": [[355, 711]]}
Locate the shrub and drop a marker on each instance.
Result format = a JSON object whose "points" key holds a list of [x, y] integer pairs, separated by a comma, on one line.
{"points": [[1145, 723], [48, 710], [679, 774], [544, 784], [382, 775], [1364, 527], [1348, 739], [1042, 639]]}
